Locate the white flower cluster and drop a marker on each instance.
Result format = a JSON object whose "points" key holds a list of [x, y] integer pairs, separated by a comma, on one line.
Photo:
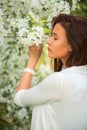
{"points": [[1, 20], [48, 9], [18, 19], [19, 23], [29, 38], [2, 30], [74, 3]]}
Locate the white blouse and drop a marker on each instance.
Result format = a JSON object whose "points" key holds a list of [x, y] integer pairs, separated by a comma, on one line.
{"points": [[59, 101]]}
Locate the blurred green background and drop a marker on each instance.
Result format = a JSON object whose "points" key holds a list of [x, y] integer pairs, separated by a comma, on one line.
{"points": [[81, 8]]}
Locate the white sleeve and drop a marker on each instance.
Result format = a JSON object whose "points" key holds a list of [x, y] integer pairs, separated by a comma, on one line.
{"points": [[46, 91]]}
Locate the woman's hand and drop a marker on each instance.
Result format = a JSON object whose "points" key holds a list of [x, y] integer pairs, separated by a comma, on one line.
{"points": [[35, 51], [34, 55]]}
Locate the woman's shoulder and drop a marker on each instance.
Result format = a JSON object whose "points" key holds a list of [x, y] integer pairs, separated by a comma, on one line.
{"points": [[71, 72]]}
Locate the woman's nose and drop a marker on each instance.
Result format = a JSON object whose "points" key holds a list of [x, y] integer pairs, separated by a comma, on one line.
{"points": [[49, 41]]}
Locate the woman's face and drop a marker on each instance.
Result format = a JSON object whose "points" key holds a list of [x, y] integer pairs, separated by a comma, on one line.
{"points": [[58, 46]]}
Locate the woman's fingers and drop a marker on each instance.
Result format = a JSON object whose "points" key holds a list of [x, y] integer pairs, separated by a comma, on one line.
{"points": [[35, 51]]}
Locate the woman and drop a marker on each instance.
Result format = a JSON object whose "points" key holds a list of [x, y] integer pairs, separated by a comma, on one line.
{"points": [[59, 101]]}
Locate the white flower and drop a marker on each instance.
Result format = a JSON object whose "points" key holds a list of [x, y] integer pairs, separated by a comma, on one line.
{"points": [[29, 38], [23, 32], [74, 2], [35, 3], [20, 23], [22, 113]]}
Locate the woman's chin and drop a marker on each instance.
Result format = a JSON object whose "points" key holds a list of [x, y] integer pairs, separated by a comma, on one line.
{"points": [[49, 55]]}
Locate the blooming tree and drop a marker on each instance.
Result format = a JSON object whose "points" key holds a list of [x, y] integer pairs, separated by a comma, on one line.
{"points": [[23, 23]]}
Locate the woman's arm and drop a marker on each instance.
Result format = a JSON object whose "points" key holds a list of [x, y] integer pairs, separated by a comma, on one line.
{"points": [[35, 53]]}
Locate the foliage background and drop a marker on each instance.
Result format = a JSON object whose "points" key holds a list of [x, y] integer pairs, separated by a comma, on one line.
{"points": [[13, 55]]}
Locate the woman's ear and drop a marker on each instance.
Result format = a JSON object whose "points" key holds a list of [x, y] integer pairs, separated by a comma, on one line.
{"points": [[70, 49]]}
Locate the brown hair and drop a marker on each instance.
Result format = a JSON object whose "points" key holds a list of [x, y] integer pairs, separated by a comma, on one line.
{"points": [[76, 33]]}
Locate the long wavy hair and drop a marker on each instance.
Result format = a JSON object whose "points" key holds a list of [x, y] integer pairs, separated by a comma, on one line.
{"points": [[76, 33]]}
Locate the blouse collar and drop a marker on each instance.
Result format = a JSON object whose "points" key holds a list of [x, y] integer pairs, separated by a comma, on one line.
{"points": [[82, 68]]}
